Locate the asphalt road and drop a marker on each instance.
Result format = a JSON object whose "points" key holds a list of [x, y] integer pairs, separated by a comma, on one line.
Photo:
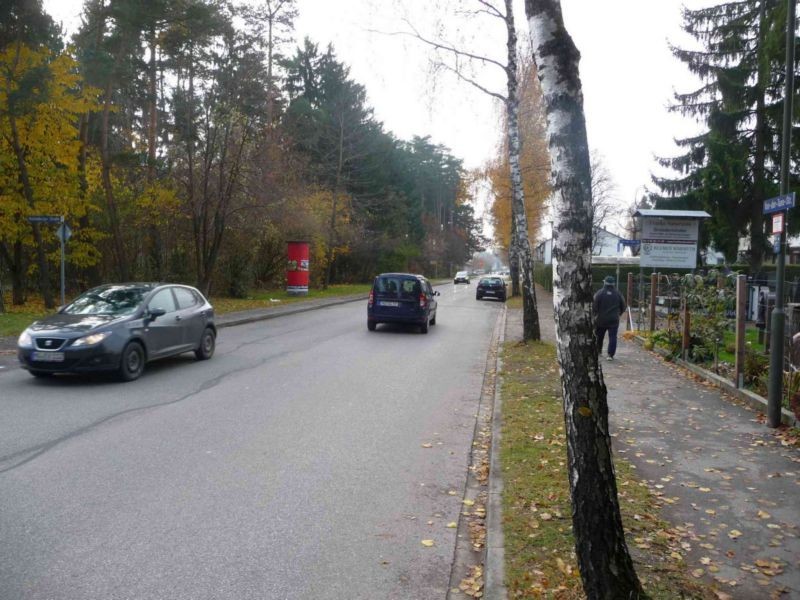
{"points": [[291, 465]]}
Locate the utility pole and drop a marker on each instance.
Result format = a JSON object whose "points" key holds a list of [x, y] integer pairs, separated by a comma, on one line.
{"points": [[778, 315]]}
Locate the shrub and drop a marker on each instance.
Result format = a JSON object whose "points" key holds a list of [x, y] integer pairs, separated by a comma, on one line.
{"points": [[755, 366], [669, 339]]}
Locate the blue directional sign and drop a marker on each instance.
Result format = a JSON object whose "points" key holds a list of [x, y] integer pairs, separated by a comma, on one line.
{"points": [[779, 203], [44, 219], [64, 232]]}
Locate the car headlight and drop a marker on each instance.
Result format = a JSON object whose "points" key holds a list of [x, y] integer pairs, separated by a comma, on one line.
{"points": [[25, 339], [91, 340]]}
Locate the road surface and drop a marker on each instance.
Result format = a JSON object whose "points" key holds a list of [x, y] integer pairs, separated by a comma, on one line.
{"points": [[291, 465]]}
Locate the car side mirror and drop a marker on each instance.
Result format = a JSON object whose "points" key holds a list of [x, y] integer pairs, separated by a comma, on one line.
{"points": [[154, 313]]}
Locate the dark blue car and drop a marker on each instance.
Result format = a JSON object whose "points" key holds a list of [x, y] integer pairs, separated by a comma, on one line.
{"points": [[120, 328], [401, 298]]}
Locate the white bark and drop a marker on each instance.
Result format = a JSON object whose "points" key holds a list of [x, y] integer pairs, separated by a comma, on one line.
{"points": [[605, 564]]}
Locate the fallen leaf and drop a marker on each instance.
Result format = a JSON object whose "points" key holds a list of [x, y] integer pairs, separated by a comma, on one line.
{"points": [[427, 445], [734, 533], [468, 502], [698, 573], [452, 525], [427, 543], [764, 515]]}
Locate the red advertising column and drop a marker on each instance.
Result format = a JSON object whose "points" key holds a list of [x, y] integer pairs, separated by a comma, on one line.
{"points": [[297, 268]]}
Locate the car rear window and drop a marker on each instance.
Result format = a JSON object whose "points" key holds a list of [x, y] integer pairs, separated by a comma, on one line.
{"points": [[397, 286]]}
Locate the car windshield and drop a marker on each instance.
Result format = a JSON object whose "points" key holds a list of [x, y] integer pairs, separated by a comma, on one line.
{"points": [[111, 300], [461, 274]]}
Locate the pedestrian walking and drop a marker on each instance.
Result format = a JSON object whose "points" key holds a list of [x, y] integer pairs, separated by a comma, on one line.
{"points": [[608, 305]]}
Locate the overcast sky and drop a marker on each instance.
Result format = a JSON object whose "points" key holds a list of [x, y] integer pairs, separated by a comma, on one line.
{"points": [[627, 71]]}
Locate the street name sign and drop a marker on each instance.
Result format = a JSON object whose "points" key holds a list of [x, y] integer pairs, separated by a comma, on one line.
{"points": [[44, 219], [779, 203]]}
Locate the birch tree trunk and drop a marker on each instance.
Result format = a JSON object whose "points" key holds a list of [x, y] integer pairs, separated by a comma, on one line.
{"points": [[521, 245], [605, 565]]}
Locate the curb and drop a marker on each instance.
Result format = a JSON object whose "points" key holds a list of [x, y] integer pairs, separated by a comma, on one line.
{"points": [[494, 570], [752, 399]]}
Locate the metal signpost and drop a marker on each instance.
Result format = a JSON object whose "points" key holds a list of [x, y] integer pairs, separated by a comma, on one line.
{"points": [[64, 233], [778, 316]]}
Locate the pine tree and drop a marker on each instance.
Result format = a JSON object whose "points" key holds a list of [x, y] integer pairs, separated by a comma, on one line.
{"points": [[731, 167]]}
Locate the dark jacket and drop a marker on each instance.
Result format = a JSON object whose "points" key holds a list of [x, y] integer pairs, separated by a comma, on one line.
{"points": [[608, 305]]}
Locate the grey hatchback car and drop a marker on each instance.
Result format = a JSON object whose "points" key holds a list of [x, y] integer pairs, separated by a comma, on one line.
{"points": [[120, 327], [401, 298]]}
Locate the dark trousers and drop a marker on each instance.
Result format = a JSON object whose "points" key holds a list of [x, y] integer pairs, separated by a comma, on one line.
{"points": [[600, 332]]}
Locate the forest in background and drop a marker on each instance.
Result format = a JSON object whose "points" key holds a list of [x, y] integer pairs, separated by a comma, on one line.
{"points": [[189, 140]]}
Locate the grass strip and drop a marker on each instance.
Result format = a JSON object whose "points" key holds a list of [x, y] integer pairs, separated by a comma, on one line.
{"points": [[18, 317], [537, 521]]}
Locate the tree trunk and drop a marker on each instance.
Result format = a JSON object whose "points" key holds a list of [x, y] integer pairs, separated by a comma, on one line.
{"points": [[530, 315], [27, 190], [513, 258], [108, 187], [152, 124], [605, 565], [18, 275], [757, 236], [332, 230], [16, 267]]}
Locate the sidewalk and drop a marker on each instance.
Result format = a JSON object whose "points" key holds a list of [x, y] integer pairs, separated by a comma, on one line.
{"points": [[724, 480]]}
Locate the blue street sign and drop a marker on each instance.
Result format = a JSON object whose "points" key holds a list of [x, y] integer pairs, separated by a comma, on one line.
{"points": [[630, 243], [64, 232], [44, 219], [779, 203], [776, 244]]}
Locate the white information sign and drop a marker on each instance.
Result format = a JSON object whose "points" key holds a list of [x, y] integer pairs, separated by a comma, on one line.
{"points": [[669, 243]]}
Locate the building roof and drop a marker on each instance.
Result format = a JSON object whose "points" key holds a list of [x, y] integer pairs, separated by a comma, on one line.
{"points": [[673, 214]]}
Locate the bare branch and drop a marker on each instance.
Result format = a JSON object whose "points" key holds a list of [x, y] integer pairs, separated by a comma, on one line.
{"points": [[492, 9], [442, 45], [474, 83]]}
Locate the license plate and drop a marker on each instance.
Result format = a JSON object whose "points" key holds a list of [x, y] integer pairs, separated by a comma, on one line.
{"points": [[48, 356], [388, 303], [489, 293]]}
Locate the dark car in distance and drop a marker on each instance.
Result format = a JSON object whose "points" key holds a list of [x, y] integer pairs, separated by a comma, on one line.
{"points": [[120, 327], [491, 287], [401, 298]]}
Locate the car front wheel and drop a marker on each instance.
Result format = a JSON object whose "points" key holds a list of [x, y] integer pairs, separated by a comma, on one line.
{"points": [[132, 364], [207, 345]]}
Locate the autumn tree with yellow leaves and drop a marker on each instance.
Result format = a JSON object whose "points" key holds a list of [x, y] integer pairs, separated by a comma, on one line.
{"points": [[534, 163], [40, 104]]}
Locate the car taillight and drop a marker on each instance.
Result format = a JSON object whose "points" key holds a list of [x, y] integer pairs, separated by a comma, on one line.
{"points": [[423, 301], [371, 300]]}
